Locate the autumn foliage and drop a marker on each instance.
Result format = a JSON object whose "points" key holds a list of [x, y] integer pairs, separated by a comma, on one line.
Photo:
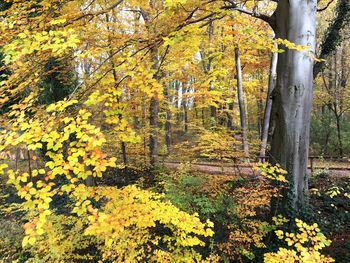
{"points": [[97, 90]]}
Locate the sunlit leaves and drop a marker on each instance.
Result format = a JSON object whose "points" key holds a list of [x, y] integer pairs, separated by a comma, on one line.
{"points": [[131, 214], [58, 21], [81, 159], [304, 246], [172, 3], [26, 44], [272, 172]]}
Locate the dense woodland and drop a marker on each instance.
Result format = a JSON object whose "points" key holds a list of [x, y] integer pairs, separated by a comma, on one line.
{"points": [[108, 108]]}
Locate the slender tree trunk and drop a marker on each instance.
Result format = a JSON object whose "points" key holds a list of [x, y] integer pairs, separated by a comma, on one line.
{"points": [[260, 112], [167, 120], [259, 103], [292, 97], [241, 103], [340, 142], [144, 129], [268, 106], [120, 117], [154, 102], [177, 102], [337, 103], [184, 107], [213, 110], [153, 121], [341, 90], [115, 79], [229, 116], [344, 67]]}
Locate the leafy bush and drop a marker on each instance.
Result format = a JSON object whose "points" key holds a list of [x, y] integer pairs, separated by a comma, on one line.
{"points": [[303, 246], [236, 205]]}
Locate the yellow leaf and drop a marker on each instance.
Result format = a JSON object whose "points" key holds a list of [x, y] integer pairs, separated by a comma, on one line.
{"points": [[25, 241], [22, 35], [31, 240]]}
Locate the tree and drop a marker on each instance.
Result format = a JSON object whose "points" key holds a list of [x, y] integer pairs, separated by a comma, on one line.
{"points": [[268, 106], [295, 22], [241, 103]]}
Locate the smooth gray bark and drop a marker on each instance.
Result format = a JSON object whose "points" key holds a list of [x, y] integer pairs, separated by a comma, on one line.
{"points": [[268, 106], [241, 103], [295, 21]]}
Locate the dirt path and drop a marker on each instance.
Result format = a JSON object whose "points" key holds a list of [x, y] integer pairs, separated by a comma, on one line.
{"points": [[231, 169]]}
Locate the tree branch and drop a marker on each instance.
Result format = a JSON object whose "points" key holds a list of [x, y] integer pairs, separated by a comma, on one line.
{"points": [[162, 60], [324, 8], [235, 7], [189, 22], [91, 14]]}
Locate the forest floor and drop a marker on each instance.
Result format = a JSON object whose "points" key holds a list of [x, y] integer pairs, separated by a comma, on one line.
{"points": [[329, 185]]}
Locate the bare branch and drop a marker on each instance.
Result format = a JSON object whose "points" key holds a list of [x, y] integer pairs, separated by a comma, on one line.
{"points": [[235, 7], [324, 8], [189, 22], [92, 14]]}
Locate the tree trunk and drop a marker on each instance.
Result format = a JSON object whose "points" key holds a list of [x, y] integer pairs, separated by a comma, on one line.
{"points": [[229, 116], [340, 143], [184, 107], [337, 103], [115, 79], [213, 110], [153, 121], [292, 97], [268, 106], [154, 102], [167, 120], [260, 108], [241, 103], [144, 129]]}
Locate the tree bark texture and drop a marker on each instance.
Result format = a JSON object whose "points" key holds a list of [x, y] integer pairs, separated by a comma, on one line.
{"points": [[295, 21]]}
